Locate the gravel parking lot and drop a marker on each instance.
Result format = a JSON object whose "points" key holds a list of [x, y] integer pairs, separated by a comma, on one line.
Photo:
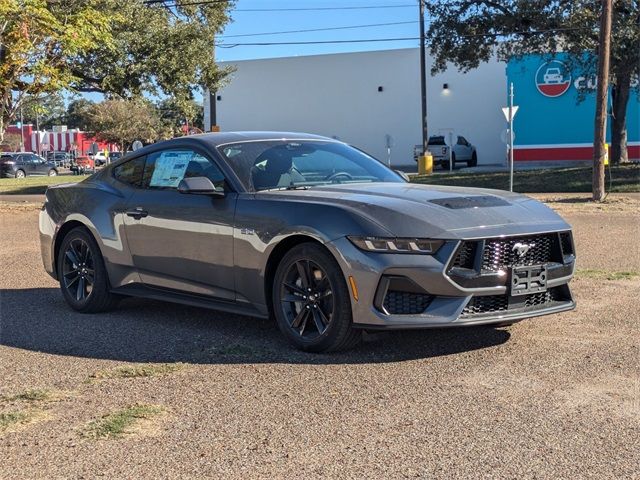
{"points": [[557, 396]]}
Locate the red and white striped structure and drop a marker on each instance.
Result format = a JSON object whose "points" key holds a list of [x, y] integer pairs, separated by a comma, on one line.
{"points": [[64, 141]]}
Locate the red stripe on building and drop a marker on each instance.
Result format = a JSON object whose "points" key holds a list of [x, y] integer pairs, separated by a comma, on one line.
{"points": [[540, 154]]}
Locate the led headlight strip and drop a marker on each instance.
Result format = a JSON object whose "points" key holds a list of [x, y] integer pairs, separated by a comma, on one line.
{"points": [[397, 245]]}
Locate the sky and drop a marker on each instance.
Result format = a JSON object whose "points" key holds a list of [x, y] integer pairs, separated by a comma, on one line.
{"points": [[251, 22]]}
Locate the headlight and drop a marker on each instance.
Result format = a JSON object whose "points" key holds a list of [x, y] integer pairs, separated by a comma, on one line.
{"points": [[8, 162], [397, 245]]}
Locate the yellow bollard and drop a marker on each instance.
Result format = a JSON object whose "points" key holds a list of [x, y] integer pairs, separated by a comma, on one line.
{"points": [[425, 164], [606, 154]]}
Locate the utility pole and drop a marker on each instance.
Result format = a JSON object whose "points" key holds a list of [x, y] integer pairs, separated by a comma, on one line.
{"points": [[599, 137], [511, 137], [423, 80], [21, 131]]}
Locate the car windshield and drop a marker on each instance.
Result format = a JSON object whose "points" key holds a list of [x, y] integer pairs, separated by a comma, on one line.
{"points": [[269, 165], [436, 141]]}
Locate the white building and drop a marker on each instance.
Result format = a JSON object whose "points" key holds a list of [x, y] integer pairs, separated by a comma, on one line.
{"points": [[365, 99]]}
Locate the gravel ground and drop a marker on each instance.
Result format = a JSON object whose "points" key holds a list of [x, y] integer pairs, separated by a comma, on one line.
{"points": [[557, 396]]}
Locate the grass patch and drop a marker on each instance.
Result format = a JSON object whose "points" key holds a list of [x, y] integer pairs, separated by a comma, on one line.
{"points": [[35, 395], [138, 371], [121, 422], [606, 274], [35, 185], [11, 419], [625, 178]]}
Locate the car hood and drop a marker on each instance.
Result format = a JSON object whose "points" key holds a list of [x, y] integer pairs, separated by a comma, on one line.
{"points": [[414, 210]]}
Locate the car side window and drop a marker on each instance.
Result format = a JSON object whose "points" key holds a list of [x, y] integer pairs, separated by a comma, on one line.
{"points": [[130, 172], [165, 169], [462, 141]]}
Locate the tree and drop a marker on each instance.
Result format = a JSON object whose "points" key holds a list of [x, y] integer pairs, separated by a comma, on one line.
{"points": [[44, 110], [77, 115], [124, 121], [39, 40], [174, 113], [158, 50], [469, 32], [12, 142], [121, 48]]}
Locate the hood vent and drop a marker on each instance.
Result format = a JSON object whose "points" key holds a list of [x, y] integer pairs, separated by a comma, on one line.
{"points": [[475, 201]]}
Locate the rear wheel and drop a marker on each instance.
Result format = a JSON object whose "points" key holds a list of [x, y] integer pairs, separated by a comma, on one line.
{"points": [[311, 301], [53, 172], [82, 274], [445, 164], [20, 174]]}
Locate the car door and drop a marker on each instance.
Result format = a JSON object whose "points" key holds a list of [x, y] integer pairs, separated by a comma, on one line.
{"points": [[182, 241], [31, 164], [462, 149], [41, 167]]}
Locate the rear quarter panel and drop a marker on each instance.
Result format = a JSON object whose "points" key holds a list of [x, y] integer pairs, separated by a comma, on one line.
{"points": [[98, 206]]}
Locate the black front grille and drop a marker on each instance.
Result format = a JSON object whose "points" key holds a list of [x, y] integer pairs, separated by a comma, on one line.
{"points": [[502, 253], [567, 244], [485, 305], [497, 304], [466, 255], [541, 298], [406, 303]]}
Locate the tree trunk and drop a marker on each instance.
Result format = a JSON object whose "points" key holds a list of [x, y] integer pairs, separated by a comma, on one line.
{"points": [[619, 153]]}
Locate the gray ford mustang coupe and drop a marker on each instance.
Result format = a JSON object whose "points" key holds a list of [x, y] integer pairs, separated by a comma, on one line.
{"points": [[306, 229]]}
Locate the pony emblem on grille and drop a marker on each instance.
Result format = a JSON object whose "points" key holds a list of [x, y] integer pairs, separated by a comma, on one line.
{"points": [[522, 248]]}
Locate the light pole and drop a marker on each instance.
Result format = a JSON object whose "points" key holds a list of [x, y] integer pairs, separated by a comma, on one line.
{"points": [[423, 80]]}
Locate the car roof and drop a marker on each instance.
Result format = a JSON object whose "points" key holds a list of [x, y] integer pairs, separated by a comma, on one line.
{"points": [[214, 140]]}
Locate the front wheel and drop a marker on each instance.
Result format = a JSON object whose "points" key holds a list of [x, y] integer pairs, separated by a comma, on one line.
{"points": [[20, 174], [53, 173], [311, 301], [474, 160], [82, 274]]}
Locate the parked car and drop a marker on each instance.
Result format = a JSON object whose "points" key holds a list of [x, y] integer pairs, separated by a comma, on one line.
{"points": [[82, 165], [61, 159], [113, 156], [306, 229], [24, 164], [99, 159], [463, 151]]}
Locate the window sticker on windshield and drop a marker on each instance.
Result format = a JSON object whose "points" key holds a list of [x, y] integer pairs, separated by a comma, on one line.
{"points": [[170, 168]]}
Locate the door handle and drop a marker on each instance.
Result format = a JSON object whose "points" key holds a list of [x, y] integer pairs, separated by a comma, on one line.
{"points": [[137, 213]]}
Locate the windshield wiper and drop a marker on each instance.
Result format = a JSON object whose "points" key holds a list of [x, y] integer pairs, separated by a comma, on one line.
{"points": [[288, 187]]}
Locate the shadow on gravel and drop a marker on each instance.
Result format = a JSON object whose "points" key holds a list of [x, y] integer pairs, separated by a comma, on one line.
{"points": [[150, 331]]}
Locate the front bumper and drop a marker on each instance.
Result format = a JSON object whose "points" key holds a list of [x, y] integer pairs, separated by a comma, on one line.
{"points": [[401, 291]]}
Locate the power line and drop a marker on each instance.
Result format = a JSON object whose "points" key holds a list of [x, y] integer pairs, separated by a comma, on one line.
{"points": [[212, 2], [318, 42], [319, 29], [397, 39]]}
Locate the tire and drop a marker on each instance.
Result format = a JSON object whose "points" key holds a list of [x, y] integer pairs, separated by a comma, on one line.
{"points": [[53, 172], [20, 174], [474, 160], [445, 163], [83, 277], [322, 293]]}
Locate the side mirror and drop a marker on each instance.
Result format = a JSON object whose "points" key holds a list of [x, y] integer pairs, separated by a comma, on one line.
{"points": [[403, 175], [199, 186]]}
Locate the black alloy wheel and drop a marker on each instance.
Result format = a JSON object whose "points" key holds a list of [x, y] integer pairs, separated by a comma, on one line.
{"points": [[78, 271], [311, 301], [307, 299], [83, 277]]}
